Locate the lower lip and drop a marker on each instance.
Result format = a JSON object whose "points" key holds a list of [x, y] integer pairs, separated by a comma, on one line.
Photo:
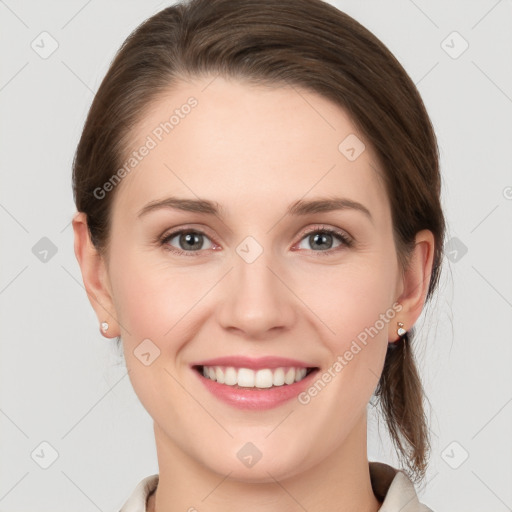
{"points": [[256, 398]]}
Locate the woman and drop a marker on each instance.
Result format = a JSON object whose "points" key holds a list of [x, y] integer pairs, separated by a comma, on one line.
{"points": [[259, 225]]}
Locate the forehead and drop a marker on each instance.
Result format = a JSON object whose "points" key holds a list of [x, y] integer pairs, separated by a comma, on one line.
{"points": [[234, 143]]}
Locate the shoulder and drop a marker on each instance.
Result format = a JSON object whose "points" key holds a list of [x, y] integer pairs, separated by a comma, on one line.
{"points": [[395, 489], [136, 502]]}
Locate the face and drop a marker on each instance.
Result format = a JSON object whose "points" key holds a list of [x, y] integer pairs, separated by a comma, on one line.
{"points": [[302, 288]]}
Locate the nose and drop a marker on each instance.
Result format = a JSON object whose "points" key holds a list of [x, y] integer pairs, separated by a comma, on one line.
{"points": [[258, 302]]}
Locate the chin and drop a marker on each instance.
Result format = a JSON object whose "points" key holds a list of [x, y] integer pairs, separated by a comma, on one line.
{"points": [[250, 465]]}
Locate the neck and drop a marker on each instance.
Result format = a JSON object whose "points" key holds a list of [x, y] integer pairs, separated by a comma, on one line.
{"points": [[341, 482]]}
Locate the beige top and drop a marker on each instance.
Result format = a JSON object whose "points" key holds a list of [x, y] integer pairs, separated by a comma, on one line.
{"points": [[391, 486]]}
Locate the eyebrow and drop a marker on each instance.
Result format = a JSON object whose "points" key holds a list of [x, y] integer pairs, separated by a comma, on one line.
{"points": [[297, 208]]}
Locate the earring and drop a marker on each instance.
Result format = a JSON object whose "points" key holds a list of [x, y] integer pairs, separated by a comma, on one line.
{"points": [[400, 331], [104, 326]]}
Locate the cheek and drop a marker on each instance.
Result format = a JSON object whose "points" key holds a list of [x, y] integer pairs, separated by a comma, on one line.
{"points": [[154, 300], [151, 298], [151, 304], [349, 299]]}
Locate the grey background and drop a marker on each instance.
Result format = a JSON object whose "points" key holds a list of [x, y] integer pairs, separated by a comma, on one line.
{"points": [[62, 382]]}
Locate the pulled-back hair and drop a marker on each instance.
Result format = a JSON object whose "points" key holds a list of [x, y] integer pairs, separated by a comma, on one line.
{"points": [[305, 43]]}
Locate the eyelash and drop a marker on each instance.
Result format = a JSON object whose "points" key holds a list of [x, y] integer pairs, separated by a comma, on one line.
{"points": [[342, 237]]}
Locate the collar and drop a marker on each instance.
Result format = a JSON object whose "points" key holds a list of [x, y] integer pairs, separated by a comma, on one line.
{"points": [[392, 487]]}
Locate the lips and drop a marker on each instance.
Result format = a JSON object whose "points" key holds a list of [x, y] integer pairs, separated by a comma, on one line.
{"points": [[270, 362], [254, 383]]}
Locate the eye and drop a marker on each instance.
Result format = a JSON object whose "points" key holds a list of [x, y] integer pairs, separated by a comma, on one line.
{"points": [[188, 239], [321, 239], [191, 242]]}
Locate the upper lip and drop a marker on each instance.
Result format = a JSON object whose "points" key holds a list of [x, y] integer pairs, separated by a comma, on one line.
{"points": [[254, 363]]}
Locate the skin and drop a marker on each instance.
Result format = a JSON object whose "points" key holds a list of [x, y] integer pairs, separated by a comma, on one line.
{"points": [[254, 150]]}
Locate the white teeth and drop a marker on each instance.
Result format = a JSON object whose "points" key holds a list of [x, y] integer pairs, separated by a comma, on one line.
{"points": [[300, 374], [263, 379], [219, 375], [278, 377], [230, 376], [247, 378], [289, 377]]}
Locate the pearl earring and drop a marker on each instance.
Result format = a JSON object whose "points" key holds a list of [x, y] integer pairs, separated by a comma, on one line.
{"points": [[104, 326], [400, 331]]}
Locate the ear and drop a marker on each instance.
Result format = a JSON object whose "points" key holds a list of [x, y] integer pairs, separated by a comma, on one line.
{"points": [[94, 276], [415, 281]]}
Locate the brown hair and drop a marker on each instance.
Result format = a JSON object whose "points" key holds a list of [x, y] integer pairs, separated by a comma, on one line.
{"points": [[306, 43]]}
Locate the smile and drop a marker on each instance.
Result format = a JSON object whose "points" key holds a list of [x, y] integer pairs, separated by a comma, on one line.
{"points": [[253, 383], [247, 378]]}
